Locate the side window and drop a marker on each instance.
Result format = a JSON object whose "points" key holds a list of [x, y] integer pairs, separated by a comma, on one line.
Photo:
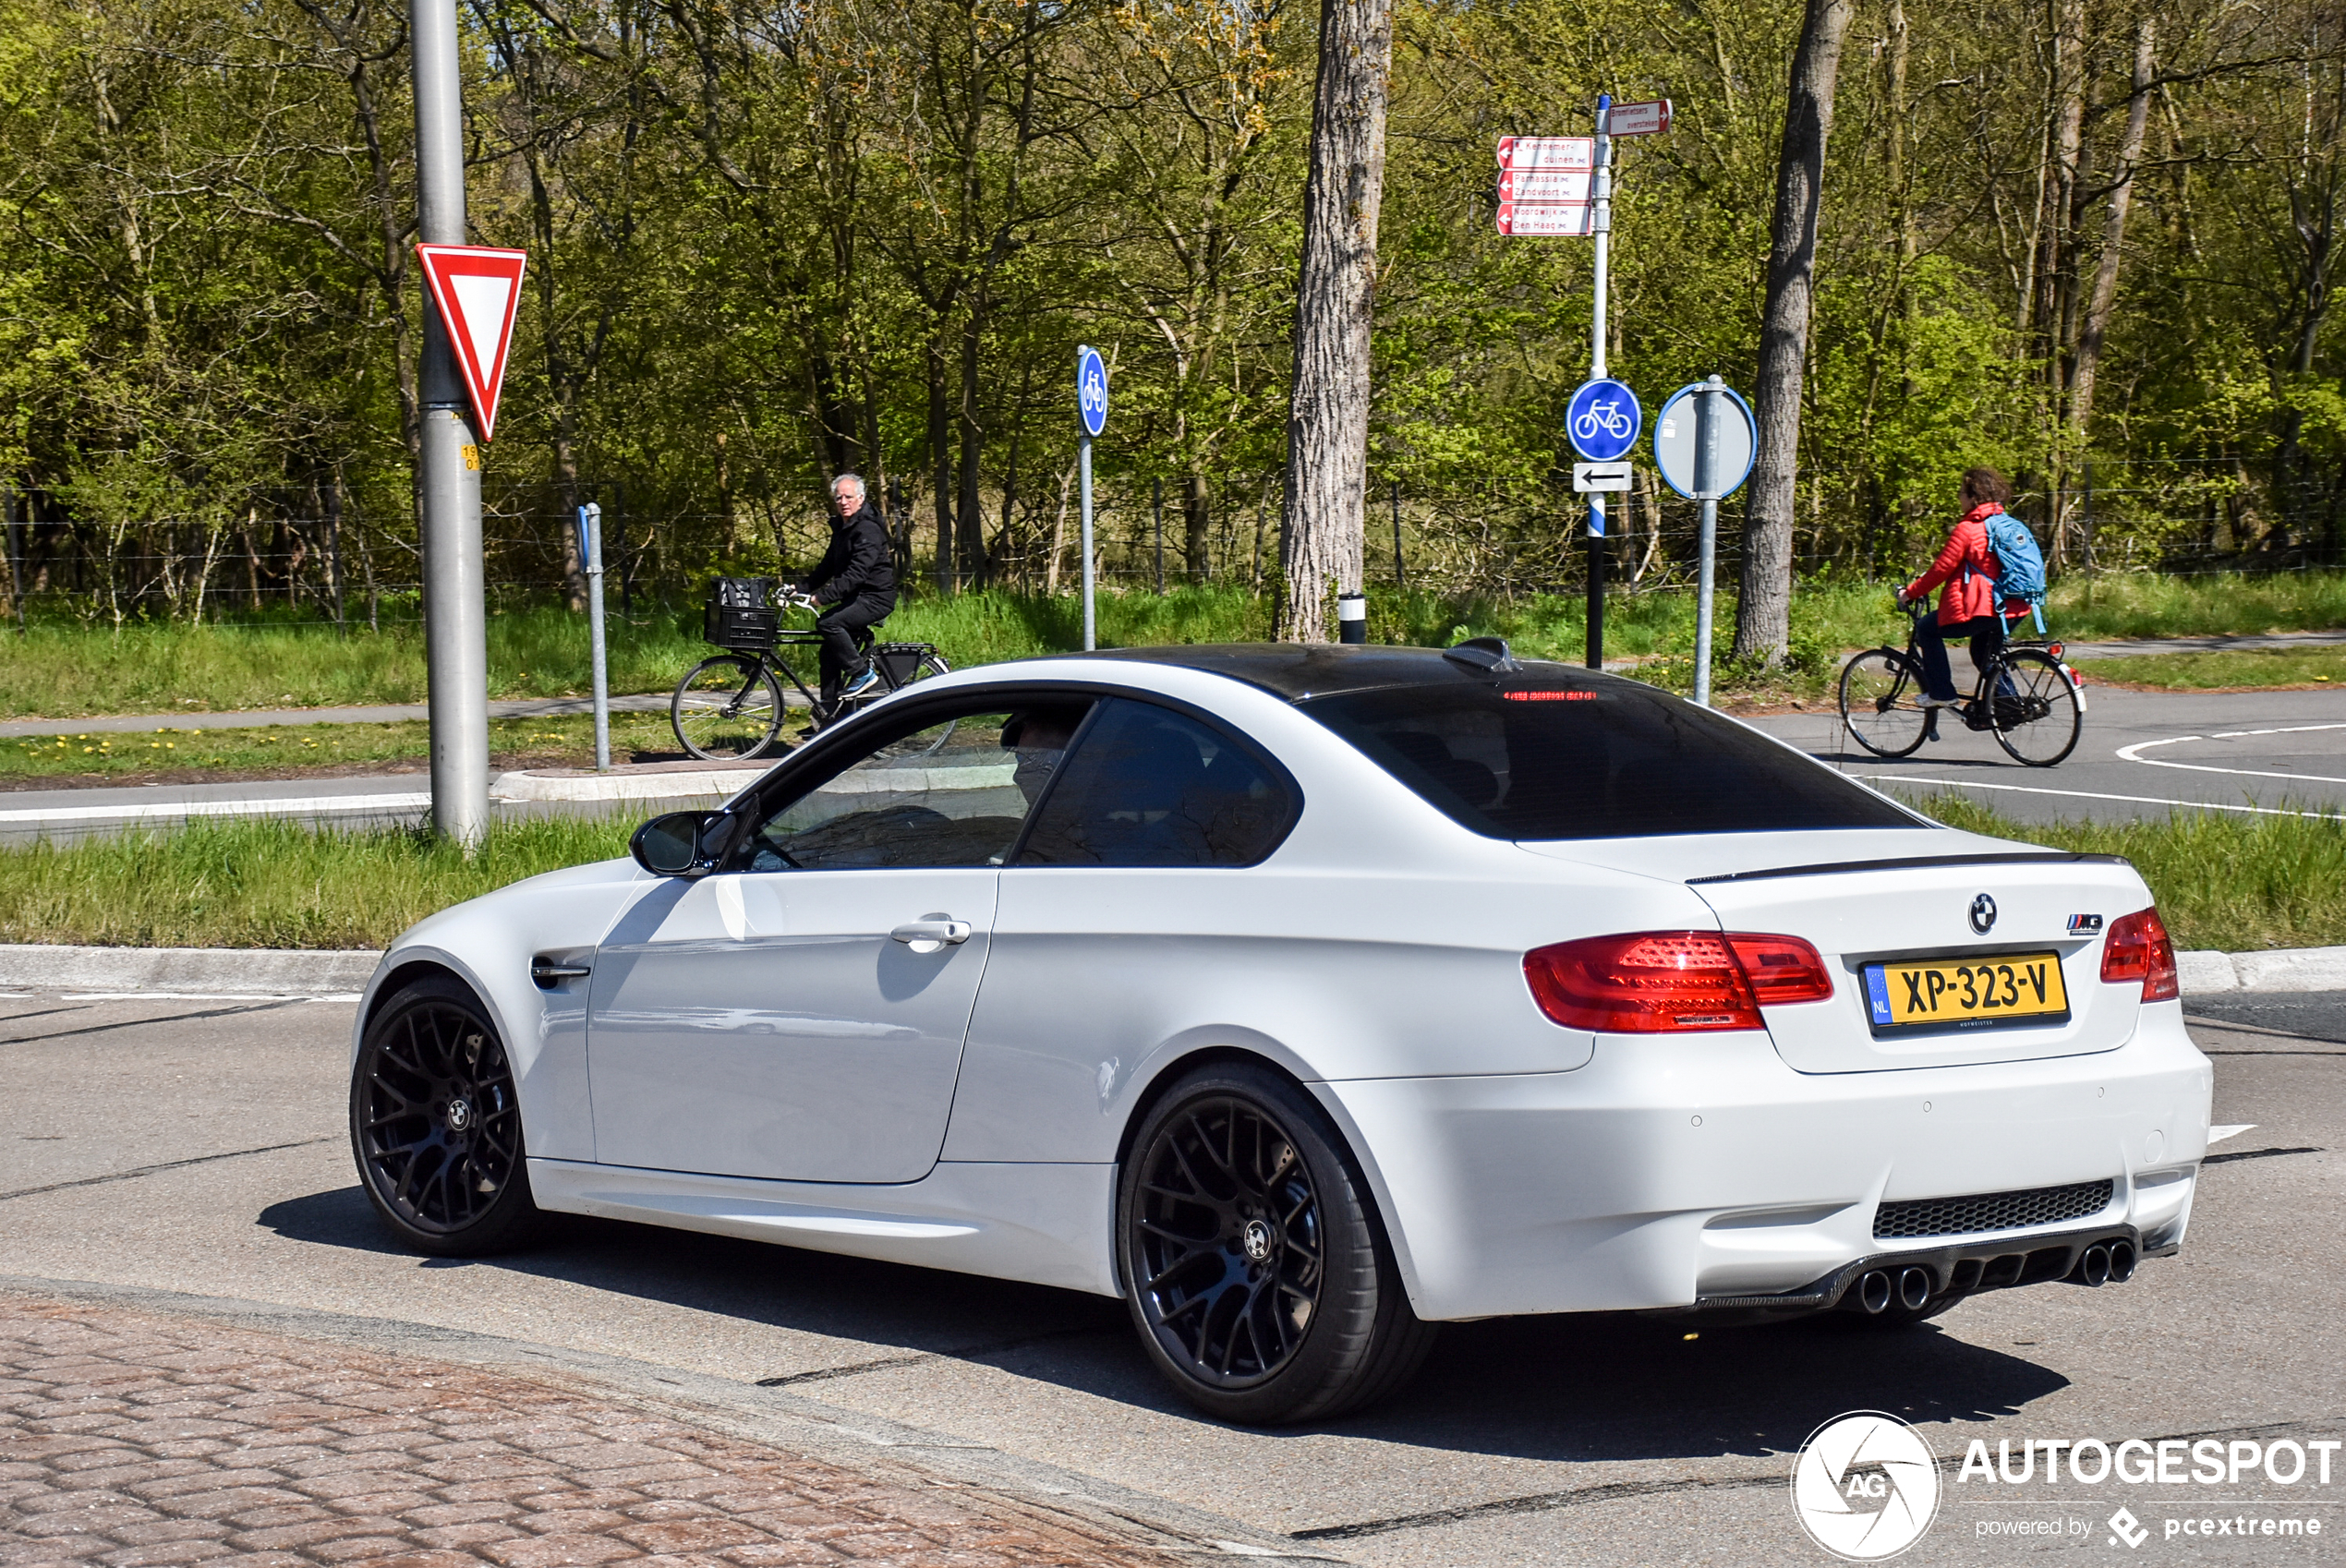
{"points": [[1149, 787], [951, 793]]}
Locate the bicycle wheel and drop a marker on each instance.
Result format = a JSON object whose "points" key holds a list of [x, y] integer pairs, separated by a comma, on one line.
{"points": [[1881, 702], [2037, 720], [726, 708]]}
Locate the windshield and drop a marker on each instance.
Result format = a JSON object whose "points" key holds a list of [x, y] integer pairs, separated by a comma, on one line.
{"points": [[1555, 756]]}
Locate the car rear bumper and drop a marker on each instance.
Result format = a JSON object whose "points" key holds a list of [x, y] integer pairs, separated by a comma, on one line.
{"points": [[1669, 1173]]}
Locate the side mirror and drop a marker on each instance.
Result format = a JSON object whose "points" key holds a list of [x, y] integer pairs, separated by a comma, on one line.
{"points": [[678, 844]]}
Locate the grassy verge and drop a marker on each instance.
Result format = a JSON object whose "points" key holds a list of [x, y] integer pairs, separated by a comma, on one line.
{"points": [[272, 883], [2233, 883], [291, 751], [60, 671], [2264, 669], [2226, 882]]}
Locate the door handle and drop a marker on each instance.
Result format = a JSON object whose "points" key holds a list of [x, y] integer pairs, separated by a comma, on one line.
{"points": [[928, 935]]}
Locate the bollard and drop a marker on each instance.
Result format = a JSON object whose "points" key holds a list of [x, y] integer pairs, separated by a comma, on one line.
{"points": [[1351, 617]]}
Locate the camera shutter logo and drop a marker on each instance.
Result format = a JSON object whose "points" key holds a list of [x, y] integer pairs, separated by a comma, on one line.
{"points": [[1865, 1487]]}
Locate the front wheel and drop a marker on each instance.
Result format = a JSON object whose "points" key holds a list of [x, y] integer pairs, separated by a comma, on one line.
{"points": [[1882, 703], [726, 709], [435, 1125], [1257, 1275], [2036, 715]]}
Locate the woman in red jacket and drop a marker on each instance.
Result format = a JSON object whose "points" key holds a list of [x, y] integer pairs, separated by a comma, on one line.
{"points": [[1967, 606]]}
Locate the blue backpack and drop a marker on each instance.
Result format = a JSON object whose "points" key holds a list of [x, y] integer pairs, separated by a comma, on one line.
{"points": [[2023, 574]]}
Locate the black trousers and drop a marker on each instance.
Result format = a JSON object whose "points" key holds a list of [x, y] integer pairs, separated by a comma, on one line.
{"points": [[838, 624], [1987, 634]]}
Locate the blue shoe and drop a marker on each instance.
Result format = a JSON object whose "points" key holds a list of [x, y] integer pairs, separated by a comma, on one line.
{"points": [[861, 684]]}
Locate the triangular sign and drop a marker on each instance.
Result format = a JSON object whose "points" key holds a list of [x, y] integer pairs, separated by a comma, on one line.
{"points": [[478, 290]]}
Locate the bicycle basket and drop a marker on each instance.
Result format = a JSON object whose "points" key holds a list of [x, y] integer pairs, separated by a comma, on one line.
{"points": [[899, 660], [743, 593]]}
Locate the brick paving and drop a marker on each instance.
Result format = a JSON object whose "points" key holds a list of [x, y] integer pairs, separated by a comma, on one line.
{"points": [[141, 1441]]}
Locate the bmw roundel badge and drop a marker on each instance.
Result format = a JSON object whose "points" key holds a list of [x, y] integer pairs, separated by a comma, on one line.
{"points": [[1983, 914]]}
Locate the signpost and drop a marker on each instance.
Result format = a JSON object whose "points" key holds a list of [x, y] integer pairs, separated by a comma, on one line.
{"points": [[1091, 405], [1562, 185], [590, 550], [1704, 442]]}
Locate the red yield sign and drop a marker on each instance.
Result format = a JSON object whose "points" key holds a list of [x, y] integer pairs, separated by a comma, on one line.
{"points": [[478, 290]]}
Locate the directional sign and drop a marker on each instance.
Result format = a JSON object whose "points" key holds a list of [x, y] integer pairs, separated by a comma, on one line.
{"points": [[1543, 184], [477, 291], [1090, 390], [1591, 477], [1675, 445], [1569, 219], [1547, 153], [1650, 119], [1602, 420]]}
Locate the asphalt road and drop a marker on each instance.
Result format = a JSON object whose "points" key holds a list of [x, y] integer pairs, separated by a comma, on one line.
{"points": [[197, 1146], [2139, 755]]}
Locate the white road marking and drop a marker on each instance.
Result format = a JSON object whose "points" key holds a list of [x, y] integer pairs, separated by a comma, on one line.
{"points": [[2131, 754], [166, 811], [2218, 1134], [2091, 795]]}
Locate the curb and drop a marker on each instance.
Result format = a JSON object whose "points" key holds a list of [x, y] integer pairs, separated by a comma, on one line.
{"points": [[278, 971], [310, 973], [657, 782]]}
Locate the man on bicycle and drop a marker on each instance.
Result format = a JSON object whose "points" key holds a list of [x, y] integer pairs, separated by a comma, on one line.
{"points": [[1968, 607], [855, 583]]}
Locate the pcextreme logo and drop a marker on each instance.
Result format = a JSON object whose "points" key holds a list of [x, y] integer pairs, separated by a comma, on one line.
{"points": [[1865, 1485]]}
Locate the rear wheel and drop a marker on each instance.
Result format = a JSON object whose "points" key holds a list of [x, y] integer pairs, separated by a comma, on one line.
{"points": [[2035, 713], [1259, 1279], [1881, 702], [726, 707], [435, 1125]]}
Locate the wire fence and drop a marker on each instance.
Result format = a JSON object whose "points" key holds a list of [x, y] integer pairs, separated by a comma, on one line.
{"points": [[346, 565]]}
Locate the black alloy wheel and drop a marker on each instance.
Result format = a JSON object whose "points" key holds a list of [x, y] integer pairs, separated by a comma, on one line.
{"points": [[435, 1124], [1259, 1282]]}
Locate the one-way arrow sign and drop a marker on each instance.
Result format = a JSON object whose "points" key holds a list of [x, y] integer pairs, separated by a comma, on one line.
{"points": [[478, 290]]}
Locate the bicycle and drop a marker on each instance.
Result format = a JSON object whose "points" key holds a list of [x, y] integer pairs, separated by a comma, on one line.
{"points": [[2036, 712], [730, 705]]}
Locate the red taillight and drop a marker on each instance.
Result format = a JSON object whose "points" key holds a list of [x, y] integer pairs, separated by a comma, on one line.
{"points": [[2138, 948], [1671, 981]]}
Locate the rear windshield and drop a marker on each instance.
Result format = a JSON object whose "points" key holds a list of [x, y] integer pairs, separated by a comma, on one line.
{"points": [[1603, 759]]}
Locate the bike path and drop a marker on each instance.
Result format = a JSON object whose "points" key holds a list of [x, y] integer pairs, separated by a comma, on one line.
{"points": [[378, 713], [2140, 756]]}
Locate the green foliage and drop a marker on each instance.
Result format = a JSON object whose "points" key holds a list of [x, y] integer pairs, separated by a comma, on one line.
{"points": [[274, 884]]}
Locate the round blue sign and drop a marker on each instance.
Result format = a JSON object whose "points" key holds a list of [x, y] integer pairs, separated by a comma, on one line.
{"points": [[1602, 421], [1090, 390]]}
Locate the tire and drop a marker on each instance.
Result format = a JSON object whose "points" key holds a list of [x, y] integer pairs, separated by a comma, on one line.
{"points": [[1882, 703], [1259, 1278], [435, 1125], [726, 708], [2039, 722]]}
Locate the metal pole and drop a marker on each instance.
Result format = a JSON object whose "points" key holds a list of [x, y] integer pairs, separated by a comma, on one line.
{"points": [[1600, 225], [591, 548], [1156, 492], [448, 488], [1090, 640], [1706, 487]]}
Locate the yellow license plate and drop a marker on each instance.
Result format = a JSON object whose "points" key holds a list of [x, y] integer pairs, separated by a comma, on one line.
{"points": [[1950, 993]]}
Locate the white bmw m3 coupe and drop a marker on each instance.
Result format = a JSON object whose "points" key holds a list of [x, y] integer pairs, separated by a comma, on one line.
{"points": [[1305, 998]]}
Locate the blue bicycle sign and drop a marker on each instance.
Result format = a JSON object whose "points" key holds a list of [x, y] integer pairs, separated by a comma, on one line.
{"points": [[1602, 420], [1090, 390]]}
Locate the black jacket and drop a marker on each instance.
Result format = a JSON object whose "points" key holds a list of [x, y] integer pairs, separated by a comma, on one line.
{"points": [[858, 561]]}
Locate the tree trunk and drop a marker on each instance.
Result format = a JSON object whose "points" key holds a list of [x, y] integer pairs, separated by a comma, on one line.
{"points": [[2113, 235], [1328, 418], [940, 459], [1763, 610]]}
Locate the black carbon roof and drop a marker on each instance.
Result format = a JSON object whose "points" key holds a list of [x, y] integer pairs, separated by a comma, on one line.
{"points": [[1302, 671]]}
